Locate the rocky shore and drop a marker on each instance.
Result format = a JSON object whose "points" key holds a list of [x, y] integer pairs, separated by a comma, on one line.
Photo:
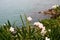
{"points": [[54, 11]]}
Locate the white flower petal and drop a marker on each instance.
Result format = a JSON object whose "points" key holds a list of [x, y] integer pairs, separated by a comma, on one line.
{"points": [[11, 29], [4, 24], [43, 31], [29, 18], [49, 30], [36, 23], [40, 25], [46, 38]]}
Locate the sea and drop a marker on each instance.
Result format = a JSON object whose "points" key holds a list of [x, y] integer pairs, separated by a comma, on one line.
{"points": [[12, 9]]}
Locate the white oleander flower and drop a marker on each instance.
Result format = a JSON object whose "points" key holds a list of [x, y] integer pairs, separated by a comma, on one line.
{"points": [[46, 38], [43, 32], [40, 25], [29, 18], [11, 29], [55, 6]]}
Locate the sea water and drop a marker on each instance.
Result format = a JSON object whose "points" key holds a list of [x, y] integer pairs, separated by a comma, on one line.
{"points": [[12, 9]]}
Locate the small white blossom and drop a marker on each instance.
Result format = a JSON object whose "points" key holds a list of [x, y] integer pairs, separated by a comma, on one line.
{"points": [[55, 6], [40, 25], [29, 18], [46, 38], [4, 24], [11, 29], [49, 30]]}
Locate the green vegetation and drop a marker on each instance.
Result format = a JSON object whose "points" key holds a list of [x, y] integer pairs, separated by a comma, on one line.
{"points": [[30, 31]]}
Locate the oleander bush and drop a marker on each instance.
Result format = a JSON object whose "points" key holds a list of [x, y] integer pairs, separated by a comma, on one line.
{"points": [[54, 25]]}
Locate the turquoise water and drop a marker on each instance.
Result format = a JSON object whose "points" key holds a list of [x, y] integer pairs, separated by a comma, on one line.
{"points": [[12, 9]]}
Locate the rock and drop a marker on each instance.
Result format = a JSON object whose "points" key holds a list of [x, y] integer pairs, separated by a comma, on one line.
{"points": [[52, 12]]}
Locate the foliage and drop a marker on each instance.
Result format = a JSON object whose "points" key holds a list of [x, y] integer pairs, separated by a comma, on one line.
{"points": [[26, 32], [30, 32], [54, 25]]}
